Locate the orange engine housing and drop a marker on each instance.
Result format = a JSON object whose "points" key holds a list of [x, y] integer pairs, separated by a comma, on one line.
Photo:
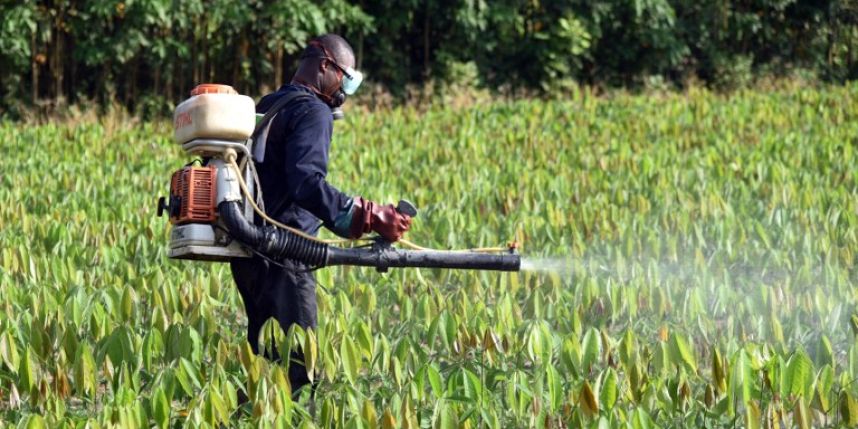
{"points": [[192, 195]]}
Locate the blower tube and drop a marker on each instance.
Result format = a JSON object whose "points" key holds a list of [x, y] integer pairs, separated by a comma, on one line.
{"points": [[279, 244]]}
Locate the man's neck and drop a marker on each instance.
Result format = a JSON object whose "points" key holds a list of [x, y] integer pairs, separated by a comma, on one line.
{"points": [[298, 81]]}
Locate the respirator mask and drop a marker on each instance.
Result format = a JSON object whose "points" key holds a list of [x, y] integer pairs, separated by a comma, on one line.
{"points": [[351, 81]]}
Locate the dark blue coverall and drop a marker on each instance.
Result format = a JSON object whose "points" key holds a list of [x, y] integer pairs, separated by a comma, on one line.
{"points": [[295, 192]]}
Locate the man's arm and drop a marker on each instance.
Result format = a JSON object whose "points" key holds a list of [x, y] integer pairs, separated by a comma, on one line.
{"points": [[306, 166]]}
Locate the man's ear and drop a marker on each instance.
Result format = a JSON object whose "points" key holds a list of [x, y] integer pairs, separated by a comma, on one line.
{"points": [[323, 65]]}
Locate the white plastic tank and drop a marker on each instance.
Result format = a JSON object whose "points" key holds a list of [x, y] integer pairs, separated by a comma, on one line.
{"points": [[214, 112]]}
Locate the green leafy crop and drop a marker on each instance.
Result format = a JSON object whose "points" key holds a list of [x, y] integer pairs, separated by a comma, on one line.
{"points": [[703, 274]]}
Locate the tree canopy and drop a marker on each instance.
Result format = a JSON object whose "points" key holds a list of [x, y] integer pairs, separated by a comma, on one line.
{"points": [[153, 51]]}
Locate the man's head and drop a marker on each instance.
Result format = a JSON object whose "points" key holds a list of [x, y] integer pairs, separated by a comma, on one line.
{"points": [[326, 62]]}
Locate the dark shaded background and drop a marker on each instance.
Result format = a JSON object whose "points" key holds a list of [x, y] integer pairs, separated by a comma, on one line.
{"points": [[147, 54]]}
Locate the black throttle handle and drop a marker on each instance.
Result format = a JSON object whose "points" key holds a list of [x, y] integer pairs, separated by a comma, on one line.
{"points": [[407, 208]]}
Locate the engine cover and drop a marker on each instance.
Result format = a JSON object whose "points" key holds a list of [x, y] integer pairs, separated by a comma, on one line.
{"points": [[193, 191], [198, 232]]}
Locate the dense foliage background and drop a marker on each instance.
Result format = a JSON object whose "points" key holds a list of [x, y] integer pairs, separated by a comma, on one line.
{"points": [[148, 53]]}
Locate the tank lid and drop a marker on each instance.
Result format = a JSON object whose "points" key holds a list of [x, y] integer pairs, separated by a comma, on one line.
{"points": [[212, 88]]}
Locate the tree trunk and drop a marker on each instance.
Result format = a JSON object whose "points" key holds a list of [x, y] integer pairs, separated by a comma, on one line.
{"points": [[34, 69], [360, 52], [71, 66], [57, 65], [204, 68], [132, 84], [170, 69], [183, 68], [195, 53], [236, 63], [426, 41], [278, 66], [157, 79], [245, 55]]}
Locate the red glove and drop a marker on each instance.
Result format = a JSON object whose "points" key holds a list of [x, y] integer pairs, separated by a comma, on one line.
{"points": [[385, 220]]}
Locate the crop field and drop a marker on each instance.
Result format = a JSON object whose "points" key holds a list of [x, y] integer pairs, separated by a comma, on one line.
{"points": [[692, 263]]}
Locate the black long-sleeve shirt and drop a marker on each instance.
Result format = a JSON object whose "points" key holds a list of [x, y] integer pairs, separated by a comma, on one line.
{"points": [[295, 164]]}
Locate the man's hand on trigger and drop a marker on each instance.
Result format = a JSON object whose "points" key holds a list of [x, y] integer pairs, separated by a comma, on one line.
{"points": [[389, 223], [383, 219]]}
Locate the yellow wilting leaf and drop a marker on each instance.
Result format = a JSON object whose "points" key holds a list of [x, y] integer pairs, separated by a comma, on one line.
{"points": [[491, 342], [709, 396], [369, 415], [589, 403], [848, 409], [773, 421], [280, 380], [409, 420], [61, 385], [387, 420], [14, 398], [752, 416], [663, 333], [246, 356], [719, 374], [311, 353], [801, 415]]}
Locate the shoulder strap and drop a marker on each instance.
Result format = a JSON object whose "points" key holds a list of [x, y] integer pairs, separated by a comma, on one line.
{"points": [[260, 133]]}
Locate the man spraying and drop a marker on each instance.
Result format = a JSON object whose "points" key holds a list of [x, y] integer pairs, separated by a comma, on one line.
{"points": [[292, 162]]}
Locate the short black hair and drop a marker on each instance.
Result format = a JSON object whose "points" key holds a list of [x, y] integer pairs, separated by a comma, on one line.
{"points": [[335, 44]]}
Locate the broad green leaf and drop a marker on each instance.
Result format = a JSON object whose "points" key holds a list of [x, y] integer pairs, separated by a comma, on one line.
{"points": [[741, 379], [799, 371], [825, 352], [35, 421], [628, 348], [84, 370], [27, 372], [434, 380], [128, 303], [683, 353], [555, 387], [446, 418], [608, 389], [160, 408], [591, 346], [823, 391], [641, 420], [350, 358]]}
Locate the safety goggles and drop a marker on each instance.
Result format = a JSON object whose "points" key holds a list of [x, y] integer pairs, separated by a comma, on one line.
{"points": [[351, 77]]}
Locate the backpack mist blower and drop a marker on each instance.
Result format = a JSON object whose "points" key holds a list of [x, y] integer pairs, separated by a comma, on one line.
{"points": [[212, 205]]}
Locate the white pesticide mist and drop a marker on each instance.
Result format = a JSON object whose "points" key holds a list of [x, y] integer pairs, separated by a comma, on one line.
{"points": [[558, 265], [653, 269]]}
